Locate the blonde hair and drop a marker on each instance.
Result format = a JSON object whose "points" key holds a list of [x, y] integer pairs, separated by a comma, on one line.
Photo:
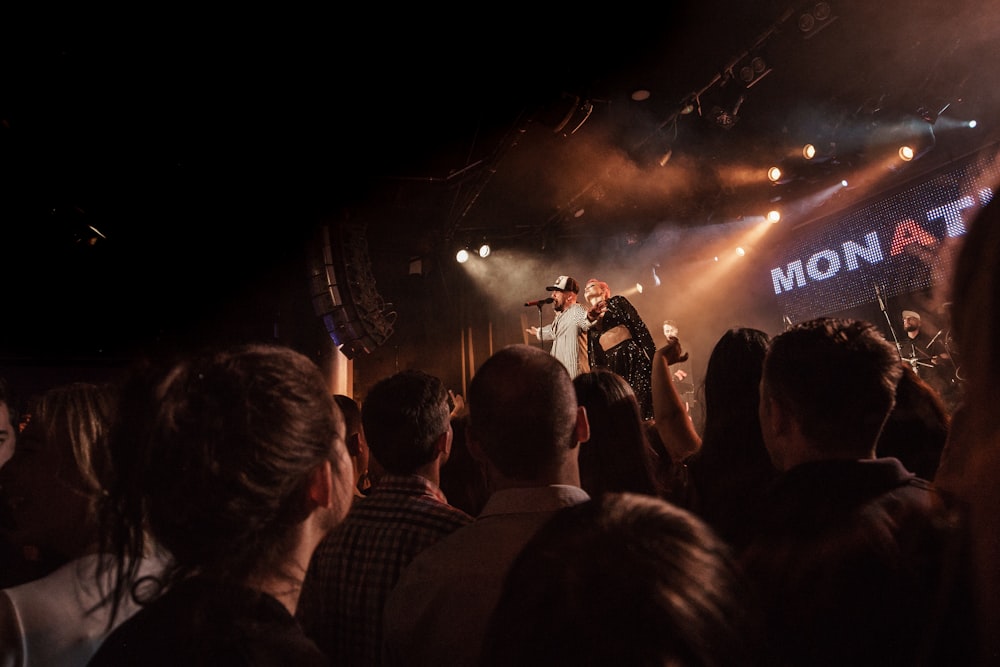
{"points": [[600, 284]]}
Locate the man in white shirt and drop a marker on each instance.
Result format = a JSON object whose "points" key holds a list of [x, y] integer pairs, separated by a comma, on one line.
{"points": [[525, 428], [568, 331]]}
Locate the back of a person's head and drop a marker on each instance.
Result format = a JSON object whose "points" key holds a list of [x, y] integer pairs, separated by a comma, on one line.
{"points": [[9, 403], [917, 427], [403, 416], [975, 314], [58, 473], [351, 412], [218, 450], [75, 418], [837, 378], [732, 386], [463, 480], [732, 376], [618, 456], [623, 579], [522, 410]]}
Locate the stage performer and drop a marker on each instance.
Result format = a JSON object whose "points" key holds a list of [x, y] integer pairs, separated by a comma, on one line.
{"points": [[620, 340], [568, 331]]}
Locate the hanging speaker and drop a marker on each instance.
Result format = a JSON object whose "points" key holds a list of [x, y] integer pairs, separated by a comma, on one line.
{"points": [[343, 292]]}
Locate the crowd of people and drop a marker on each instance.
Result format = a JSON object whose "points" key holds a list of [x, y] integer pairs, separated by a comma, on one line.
{"points": [[226, 508]]}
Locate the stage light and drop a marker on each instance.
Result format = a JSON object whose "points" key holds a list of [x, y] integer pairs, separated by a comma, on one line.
{"points": [[690, 104], [808, 151], [462, 256], [484, 250], [774, 174], [740, 252], [972, 123], [906, 153], [821, 16], [773, 216], [754, 70]]}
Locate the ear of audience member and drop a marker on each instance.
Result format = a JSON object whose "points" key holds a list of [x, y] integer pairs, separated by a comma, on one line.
{"points": [[917, 428], [525, 427], [617, 457], [624, 579], [406, 419], [235, 463], [853, 559], [732, 471], [970, 465], [357, 446]]}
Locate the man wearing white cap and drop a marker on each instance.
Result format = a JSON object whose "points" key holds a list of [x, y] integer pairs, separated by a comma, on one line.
{"points": [[568, 331], [922, 351]]}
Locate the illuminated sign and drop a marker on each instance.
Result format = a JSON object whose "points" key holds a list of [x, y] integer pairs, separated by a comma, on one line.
{"points": [[895, 244]]}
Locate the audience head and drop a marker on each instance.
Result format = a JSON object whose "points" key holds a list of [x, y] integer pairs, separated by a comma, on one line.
{"points": [[732, 381], [523, 414], [463, 479], [975, 318], [58, 473], [828, 386], [407, 421], [624, 579], [8, 424], [617, 457], [918, 426], [357, 445], [223, 458]]}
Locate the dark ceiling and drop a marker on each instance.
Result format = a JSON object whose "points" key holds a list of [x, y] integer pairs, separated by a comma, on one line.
{"points": [[162, 173]]}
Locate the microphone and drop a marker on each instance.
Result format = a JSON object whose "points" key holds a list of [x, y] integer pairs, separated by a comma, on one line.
{"points": [[878, 293], [540, 302], [935, 338]]}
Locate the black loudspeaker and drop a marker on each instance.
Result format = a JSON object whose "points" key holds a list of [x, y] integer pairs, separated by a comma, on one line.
{"points": [[343, 290]]}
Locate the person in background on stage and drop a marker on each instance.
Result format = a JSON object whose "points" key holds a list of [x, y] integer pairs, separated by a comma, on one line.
{"points": [[568, 331], [925, 353], [620, 341]]}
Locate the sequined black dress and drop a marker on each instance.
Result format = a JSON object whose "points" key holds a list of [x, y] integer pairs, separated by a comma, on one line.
{"points": [[632, 358]]}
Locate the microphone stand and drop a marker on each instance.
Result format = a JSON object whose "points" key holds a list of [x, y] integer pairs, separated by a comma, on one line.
{"points": [[539, 306], [888, 320]]}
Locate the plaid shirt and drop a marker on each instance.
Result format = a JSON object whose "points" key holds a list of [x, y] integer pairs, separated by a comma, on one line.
{"points": [[354, 568]]}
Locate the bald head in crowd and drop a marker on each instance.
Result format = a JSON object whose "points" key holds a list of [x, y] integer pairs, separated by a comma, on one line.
{"points": [[523, 415]]}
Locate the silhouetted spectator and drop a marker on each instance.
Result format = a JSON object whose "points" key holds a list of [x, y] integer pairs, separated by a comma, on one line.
{"points": [[854, 560], [918, 426], [618, 456], [623, 579], [238, 468], [732, 471], [970, 465], [526, 427], [407, 425]]}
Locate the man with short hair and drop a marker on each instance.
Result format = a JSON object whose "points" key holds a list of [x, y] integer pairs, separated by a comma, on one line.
{"points": [[568, 331], [406, 420], [851, 556], [525, 427]]}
